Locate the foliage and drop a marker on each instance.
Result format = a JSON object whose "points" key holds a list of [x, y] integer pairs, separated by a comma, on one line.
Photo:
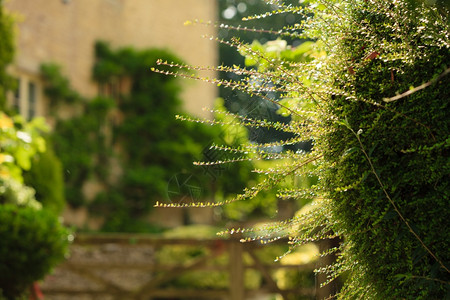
{"points": [[32, 238], [129, 127], [145, 109], [154, 147], [256, 30], [14, 192], [6, 53], [46, 177], [376, 108], [398, 161], [33, 242], [78, 141], [27, 160], [20, 141], [60, 90]]}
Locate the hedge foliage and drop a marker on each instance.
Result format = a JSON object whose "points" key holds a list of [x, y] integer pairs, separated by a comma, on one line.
{"points": [[46, 177], [373, 98], [389, 182]]}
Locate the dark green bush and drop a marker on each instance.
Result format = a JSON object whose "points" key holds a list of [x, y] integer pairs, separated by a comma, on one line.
{"points": [[405, 173], [32, 242], [46, 177]]}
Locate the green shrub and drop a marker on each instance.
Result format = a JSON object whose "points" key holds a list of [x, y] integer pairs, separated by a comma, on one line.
{"points": [[46, 177], [32, 242], [376, 106], [389, 181], [32, 238]]}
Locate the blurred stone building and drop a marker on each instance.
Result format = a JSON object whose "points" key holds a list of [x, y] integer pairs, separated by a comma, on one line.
{"points": [[65, 31]]}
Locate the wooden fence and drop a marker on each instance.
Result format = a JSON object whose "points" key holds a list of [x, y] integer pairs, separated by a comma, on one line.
{"points": [[119, 266]]}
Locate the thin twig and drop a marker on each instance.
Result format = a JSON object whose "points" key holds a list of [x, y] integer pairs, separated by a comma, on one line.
{"points": [[418, 88]]}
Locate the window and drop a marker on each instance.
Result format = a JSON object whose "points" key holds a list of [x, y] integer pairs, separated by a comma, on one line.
{"points": [[25, 99], [16, 96], [31, 100]]}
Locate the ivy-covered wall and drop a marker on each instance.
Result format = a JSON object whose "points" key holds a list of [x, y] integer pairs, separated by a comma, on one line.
{"points": [[129, 141]]}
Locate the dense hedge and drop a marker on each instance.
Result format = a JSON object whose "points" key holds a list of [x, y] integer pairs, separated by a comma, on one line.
{"points": [[390, 159]]}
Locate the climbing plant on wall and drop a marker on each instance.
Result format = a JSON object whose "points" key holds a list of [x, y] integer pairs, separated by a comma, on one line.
{"points": [[132, 127], [79, 141], [154, 146]]}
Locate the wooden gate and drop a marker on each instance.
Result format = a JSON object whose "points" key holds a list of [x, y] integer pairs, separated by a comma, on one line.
{"points": [[123, 266]]}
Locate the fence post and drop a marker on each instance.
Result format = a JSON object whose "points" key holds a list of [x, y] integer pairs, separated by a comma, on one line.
{"points": [[237, 284], [333, 287]]}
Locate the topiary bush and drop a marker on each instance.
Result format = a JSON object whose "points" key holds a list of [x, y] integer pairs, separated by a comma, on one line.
{"points": [[33, 242]]}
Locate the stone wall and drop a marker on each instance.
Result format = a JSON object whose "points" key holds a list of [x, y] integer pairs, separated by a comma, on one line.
{"points": [[64, 31]]}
